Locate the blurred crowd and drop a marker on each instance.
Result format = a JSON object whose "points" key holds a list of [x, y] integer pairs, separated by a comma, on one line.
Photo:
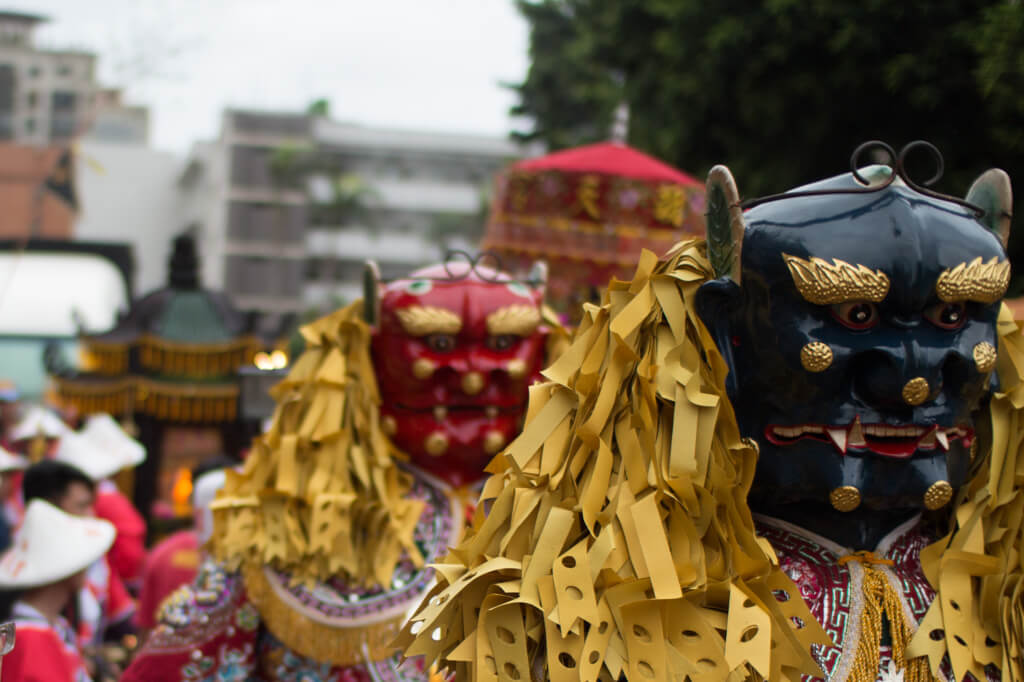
{"points": [[76, 577]]}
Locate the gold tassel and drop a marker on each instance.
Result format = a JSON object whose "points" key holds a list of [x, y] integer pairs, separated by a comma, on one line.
{"points": [[881, 598], [340, 644]]}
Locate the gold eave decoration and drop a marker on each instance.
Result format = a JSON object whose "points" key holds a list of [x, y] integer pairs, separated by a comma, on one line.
{"points": [[91, 397], [176, 402], [975, 281], [419, 320], [104, 357], [521, 320], [823, 283], [196, 359], [169, 401]]}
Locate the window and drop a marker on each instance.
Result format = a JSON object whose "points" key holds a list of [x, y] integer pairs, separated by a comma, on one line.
{"points": [[32, 99], [7, 97], [250, 167], [253, 275], [64, 70], [314, 267], [63, 100], [62, 117], [30, 125], [34, 71], [348, 271]]}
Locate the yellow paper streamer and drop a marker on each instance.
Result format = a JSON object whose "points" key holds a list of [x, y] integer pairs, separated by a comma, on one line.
{"points": [[977, 618], [630, 474], [320, 493], [649, 434]]}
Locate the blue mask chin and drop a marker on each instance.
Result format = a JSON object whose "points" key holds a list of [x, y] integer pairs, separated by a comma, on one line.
{"points": [[860, 360]]}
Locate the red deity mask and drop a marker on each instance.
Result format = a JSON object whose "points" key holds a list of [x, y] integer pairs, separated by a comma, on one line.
{"points": [[455, 351]]}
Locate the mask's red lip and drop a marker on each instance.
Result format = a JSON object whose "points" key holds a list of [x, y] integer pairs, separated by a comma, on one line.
{"points": [[888, 440]]}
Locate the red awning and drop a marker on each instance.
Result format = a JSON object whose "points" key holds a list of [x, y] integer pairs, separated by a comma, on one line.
{"points": [[609, 158]]}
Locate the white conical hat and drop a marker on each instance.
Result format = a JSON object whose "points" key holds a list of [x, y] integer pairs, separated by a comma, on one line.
{"points": [[11, 462], [102, 429], [51, 546], [84, 453], [37, 421]]}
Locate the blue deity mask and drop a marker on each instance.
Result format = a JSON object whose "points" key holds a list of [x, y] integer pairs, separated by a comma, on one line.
{"points": [[858, 318]]}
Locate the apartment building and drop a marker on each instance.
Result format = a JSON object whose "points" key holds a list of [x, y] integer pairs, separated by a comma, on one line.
{"points": [[421, 194], [49, 96], [287, 207], [45, 95]]}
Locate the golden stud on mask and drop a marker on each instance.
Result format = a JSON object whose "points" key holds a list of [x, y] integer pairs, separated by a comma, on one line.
{"points": [[472, 383], [516, 368], [938, 495], [985, 357], [816, 357], [436, 444], [494, 441], [423, 368], [916, 391], [845, 498]]}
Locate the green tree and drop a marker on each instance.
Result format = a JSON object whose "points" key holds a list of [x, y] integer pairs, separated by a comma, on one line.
{"points": [[319, 107], [782, 90]]}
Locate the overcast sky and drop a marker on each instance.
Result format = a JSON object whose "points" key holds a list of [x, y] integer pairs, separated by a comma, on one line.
{"points": [[425, 64]]}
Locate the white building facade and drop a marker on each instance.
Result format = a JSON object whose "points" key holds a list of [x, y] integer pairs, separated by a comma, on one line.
{"points": [[128, 193], [293, 205]]}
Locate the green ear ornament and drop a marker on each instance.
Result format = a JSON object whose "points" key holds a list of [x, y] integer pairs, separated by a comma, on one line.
{"points": [[992, 193], [371, 293], [724, 224]]}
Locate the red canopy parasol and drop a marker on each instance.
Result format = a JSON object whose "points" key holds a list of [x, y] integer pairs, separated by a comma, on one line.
{"points": [[589, 211]]}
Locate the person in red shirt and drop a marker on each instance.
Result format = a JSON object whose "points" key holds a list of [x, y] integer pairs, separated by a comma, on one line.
{"points": [[129, 550], [104, 607], [46, 565], [102, 449], [175, 560]]}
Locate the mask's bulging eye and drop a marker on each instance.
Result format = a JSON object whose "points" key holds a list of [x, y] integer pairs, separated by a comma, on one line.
{"points": [[440, 343], [947, 315], [856, 315], [501, 342]]}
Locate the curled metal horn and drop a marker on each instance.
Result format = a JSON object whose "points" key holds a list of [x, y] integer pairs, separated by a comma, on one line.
{"points": [[855, 163], [478, 266], [486, 265], [899, 170]]}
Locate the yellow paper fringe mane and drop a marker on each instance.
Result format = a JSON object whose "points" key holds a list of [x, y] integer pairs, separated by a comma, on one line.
{"points": [[614, 537], [978, 613], [320, 494]]}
